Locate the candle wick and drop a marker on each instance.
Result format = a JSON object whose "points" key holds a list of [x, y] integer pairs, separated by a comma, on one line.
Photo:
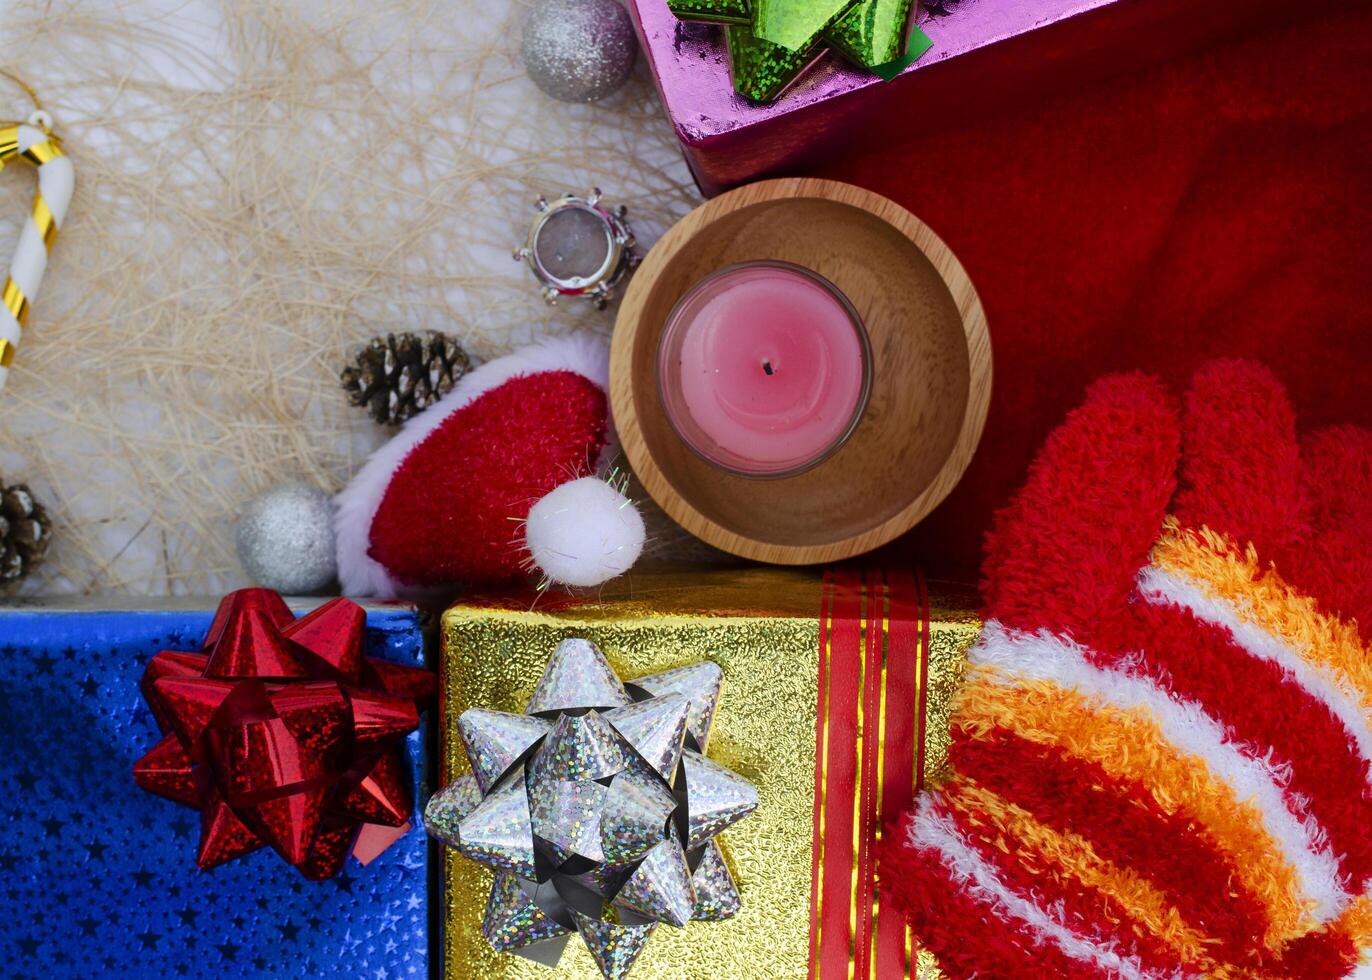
{"points": [[767, 367]]}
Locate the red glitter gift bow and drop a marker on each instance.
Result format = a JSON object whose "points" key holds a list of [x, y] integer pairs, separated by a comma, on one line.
{"points": [[282, 733]]}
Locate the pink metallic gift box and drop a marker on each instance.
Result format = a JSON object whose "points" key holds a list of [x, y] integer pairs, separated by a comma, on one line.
{"points": [[987, 54]]}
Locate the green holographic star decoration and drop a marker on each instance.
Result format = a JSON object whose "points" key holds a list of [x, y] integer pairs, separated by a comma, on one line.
{"points": [[772, 42], [796, 25]]}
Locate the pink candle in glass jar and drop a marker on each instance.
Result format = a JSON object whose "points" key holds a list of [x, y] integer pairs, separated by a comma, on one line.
{"points": [[764, 368]]}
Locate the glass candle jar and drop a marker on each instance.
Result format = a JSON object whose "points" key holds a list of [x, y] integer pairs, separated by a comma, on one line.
{"points": [[764, 368]]}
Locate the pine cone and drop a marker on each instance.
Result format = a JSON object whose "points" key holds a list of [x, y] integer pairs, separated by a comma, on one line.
{"points": [[398, 376], [24, 532]]}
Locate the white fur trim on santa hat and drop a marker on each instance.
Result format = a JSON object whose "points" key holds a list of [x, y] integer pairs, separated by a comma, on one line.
{"points": [[357, 504]]}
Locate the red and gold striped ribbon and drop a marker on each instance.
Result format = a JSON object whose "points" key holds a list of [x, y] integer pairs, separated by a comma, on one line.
{"points": [[869, 757]]}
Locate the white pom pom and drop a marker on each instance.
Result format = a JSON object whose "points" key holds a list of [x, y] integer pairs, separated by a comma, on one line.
{"points": [[584, 533]]}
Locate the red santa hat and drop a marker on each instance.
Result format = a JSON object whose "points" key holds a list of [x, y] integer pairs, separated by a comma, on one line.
{"points": [[496, 478]]}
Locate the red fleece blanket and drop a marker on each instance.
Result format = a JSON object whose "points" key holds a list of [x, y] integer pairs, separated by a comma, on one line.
{"points": [[1217, 205]]}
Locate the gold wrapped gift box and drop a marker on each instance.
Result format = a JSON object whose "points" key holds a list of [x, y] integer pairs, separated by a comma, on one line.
{"points": [[795, 647]]}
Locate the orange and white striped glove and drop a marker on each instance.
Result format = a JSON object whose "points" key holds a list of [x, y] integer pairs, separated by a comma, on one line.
{"points": [[1160, 754]]}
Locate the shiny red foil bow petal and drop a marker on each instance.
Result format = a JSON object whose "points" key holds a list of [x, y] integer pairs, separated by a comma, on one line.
{"points": [[281, 733]]}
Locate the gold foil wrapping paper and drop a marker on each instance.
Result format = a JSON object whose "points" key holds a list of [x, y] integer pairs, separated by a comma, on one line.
{"points": [[761, 625]]}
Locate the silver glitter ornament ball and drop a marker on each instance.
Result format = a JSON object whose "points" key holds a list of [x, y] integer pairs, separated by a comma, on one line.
{"points": [[285, 539], [579, 50]]}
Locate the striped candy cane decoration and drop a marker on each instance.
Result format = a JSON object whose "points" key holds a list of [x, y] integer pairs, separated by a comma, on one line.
{"points": [[34, 142]]}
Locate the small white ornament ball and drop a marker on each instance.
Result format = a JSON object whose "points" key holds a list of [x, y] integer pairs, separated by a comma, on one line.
{"points": [[285, 539], [584, 533], [579, 50]]}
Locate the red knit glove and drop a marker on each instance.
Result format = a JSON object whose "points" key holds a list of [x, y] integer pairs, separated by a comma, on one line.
{"points": [[1160, 756]]}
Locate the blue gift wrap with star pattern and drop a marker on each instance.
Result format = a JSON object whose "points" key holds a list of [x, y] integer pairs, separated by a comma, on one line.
{"points": [[99, 877]]}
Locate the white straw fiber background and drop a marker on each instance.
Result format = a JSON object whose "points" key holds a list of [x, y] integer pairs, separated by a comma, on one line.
{"points": [[261, 186]]}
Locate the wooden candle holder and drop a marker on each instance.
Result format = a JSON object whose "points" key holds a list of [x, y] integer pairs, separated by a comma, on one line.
{"points": [[931, 382]]}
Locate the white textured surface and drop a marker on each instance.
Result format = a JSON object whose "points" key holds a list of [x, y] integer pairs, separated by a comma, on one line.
{"points": [[262, 186]]}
